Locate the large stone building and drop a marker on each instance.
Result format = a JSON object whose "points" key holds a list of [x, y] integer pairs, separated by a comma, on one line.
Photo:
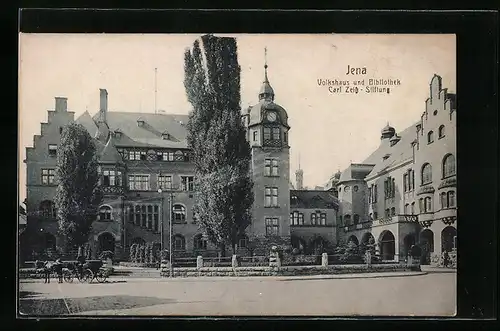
{"points": [[404, 193], [140, 153]]}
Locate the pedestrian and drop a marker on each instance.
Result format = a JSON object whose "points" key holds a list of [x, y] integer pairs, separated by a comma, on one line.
{"points": [[57, 267], [46, 271]]}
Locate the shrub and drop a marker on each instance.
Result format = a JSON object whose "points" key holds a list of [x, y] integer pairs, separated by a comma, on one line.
{"points": [[133, 249]]}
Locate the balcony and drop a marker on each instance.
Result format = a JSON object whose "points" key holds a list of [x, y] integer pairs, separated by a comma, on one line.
{"points": [[447, 216], [118, 190]]}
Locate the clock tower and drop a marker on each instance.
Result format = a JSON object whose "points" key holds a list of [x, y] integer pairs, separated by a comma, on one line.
{"points": [[267, 132]]}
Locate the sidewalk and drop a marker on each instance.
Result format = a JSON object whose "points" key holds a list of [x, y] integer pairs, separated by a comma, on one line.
{"points": [[436, 269], [117, 279]]}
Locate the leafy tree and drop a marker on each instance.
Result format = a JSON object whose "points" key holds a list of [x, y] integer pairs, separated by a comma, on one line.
{"points": [[217, 137], [78, 194]]}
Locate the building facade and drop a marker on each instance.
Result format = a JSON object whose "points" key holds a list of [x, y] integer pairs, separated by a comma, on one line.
{"points": [[147, 179], [404, 193]]}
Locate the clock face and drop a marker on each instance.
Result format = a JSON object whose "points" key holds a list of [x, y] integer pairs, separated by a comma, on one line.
{"points": [[271, 116]]}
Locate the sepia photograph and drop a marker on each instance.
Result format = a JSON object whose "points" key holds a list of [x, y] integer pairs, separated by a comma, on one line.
{"points": [[237, 175]]}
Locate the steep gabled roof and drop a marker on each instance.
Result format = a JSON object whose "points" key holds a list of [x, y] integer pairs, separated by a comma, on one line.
{"points": [[398, 153], [313, 199], [148, 134], [88, 123], [109, 153]]}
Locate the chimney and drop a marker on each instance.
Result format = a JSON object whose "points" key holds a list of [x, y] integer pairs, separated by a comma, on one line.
{"points": [[61, 104], [103, 105]]}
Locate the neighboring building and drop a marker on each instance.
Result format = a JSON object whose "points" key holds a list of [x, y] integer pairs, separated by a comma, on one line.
{"points": [[404, 193], [140, 153]]}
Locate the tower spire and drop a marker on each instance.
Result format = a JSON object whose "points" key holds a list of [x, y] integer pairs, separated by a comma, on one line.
{"points": [[266, 91]]}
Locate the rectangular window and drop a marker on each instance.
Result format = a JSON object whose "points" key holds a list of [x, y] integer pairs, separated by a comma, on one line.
{"points": [[187, 183], [301, 219], [255, 135], [313, 219], [144, 216], [451, 199], [155, 218], [52, 150], [48, 176], [428, 204], [412, 182], [138, 182], [271, 197], [271, 167], [267, 133], [276, 134], [111, 178], [375, 194], [272, 226], [164, 182], [405, 183], [168, 156]]}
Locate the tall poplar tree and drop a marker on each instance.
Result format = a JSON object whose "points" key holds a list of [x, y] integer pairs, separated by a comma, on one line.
{"points": [[78, 194], [217, 138]]}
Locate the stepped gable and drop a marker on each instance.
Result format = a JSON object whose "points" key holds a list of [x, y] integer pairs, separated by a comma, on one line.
{"points": [[313, 199]]}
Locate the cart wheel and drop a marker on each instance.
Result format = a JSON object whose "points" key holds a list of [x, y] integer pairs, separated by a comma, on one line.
{"points": [[68, 277], [101, 276], [88, 276]]}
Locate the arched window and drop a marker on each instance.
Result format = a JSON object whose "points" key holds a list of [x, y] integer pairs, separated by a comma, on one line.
{"points": [[430, 137], [428, 205], [407, 209], [47, 209], [451, 199], [179, 243], [441, 131], [199, 242], [105, 213], [179, 213], [444, 200], [448, 166], [413, 208], [313, 219], [426, 175], [179, 156]]}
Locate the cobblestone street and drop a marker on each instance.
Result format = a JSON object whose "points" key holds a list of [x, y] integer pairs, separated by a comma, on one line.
{"points": [[418, 294]]}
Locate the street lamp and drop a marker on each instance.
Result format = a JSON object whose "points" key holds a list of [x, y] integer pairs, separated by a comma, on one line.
{"points": [[169, 226]]}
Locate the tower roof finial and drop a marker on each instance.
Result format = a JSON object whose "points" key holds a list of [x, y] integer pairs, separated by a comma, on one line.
{"points": [[265, 64]]}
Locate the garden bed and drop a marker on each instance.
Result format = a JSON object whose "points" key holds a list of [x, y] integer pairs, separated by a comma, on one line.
{"points": [[288, 270]]}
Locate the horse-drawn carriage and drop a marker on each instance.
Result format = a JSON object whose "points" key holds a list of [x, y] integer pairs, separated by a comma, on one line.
{"points": [[92, 269]]}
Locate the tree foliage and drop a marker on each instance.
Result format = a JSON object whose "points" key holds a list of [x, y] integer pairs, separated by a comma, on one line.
{"points": [[217, 137], [78, 195]]}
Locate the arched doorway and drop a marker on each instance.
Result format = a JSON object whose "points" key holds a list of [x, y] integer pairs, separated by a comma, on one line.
{"points": [[106, 242], [427, 245], [367, 241], [448, 238], [408, 241], [299, 244], [387, 246], [354, 239]]}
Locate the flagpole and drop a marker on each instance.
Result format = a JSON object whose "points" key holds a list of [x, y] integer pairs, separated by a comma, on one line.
{"points": [[156, 70]]}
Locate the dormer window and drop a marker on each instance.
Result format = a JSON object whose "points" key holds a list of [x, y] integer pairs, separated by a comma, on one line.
{"points": [[118, 134], [386, 156], [165, 135], [140, 122]]}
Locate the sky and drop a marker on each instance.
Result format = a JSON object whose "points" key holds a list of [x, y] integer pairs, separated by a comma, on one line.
{"points": [[328, 130]]}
